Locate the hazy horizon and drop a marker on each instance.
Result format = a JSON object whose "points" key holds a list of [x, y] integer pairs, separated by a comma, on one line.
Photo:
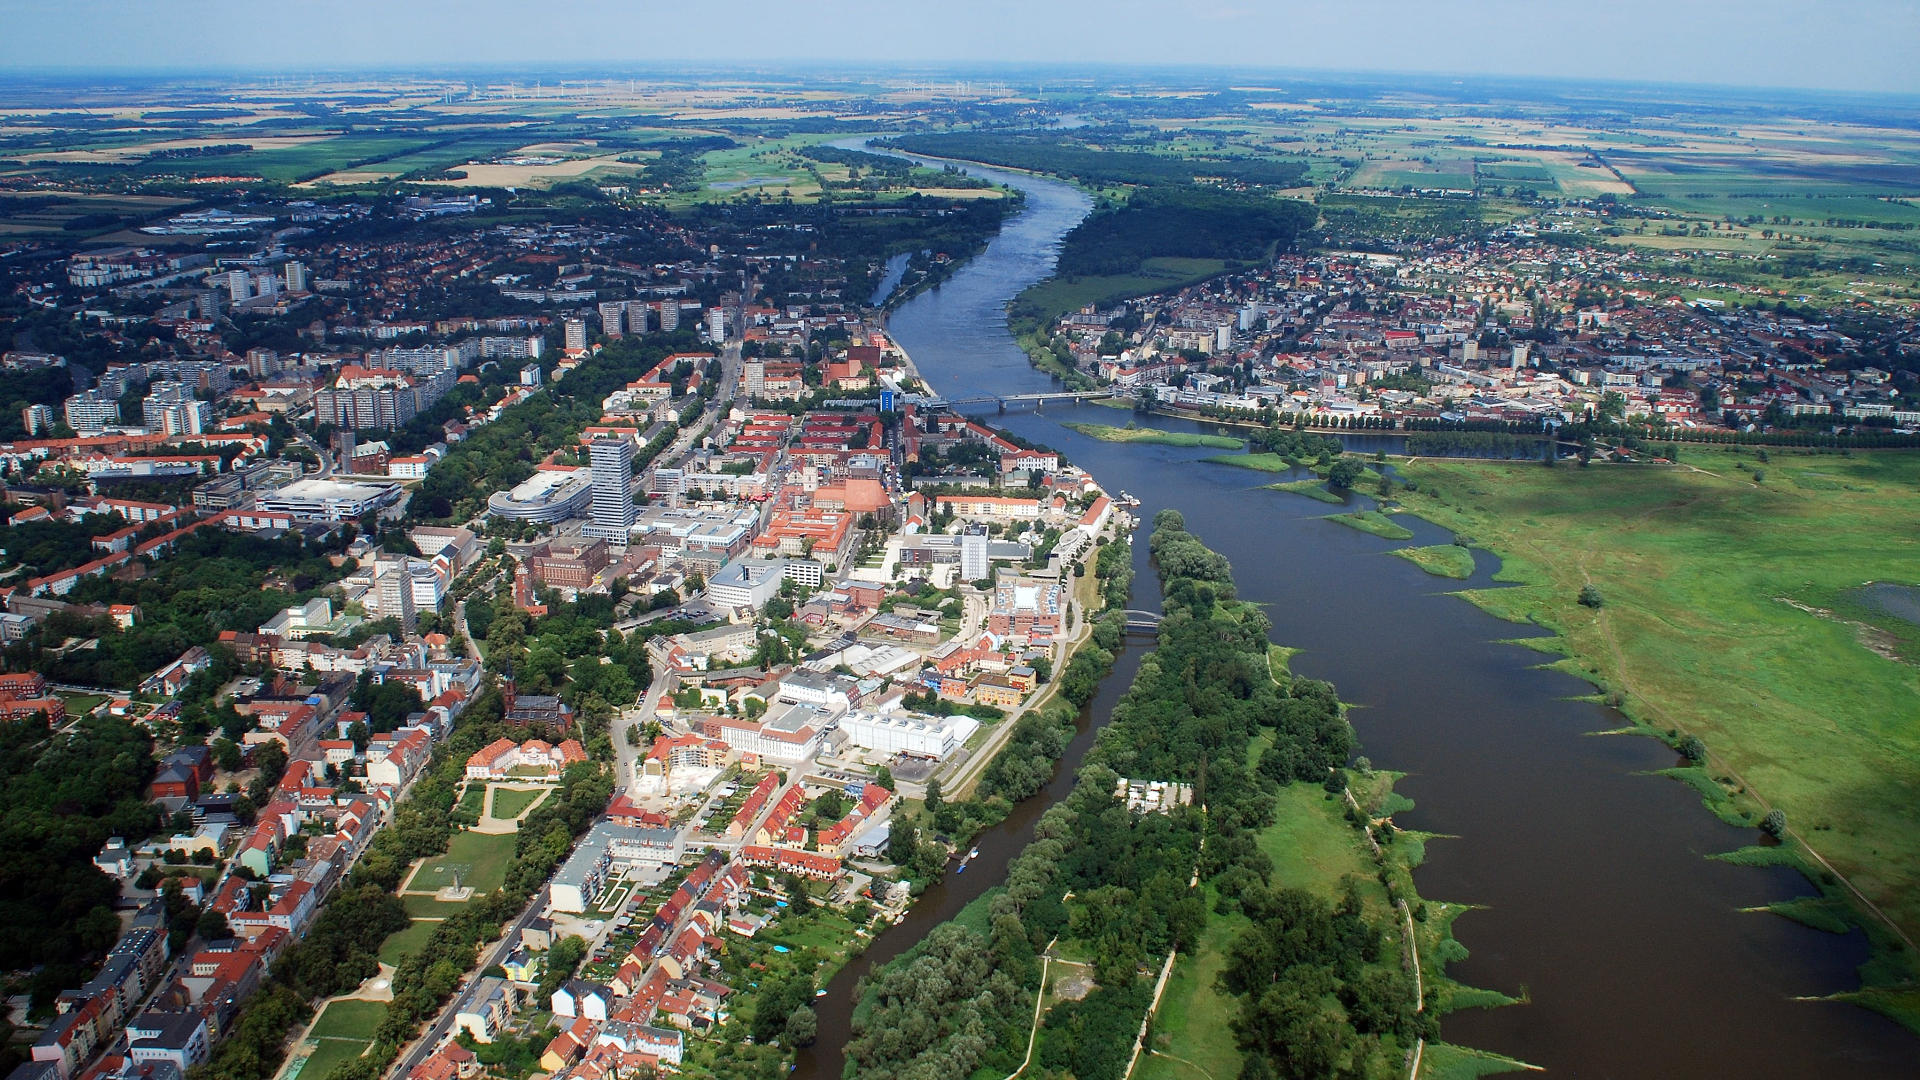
{"points": [[1844, 45]]}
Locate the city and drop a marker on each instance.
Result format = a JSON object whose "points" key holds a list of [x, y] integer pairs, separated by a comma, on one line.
{"points": [[572, 571]]}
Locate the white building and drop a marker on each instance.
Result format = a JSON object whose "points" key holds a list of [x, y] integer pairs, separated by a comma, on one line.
{"points": [[747, 583], [326, 500], [612, 470], [907, 733], [974, 563]]}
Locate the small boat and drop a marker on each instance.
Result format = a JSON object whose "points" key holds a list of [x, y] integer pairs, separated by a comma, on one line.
{"points": [[969, 857]]}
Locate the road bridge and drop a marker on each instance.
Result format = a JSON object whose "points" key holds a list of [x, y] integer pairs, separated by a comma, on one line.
{"points": [[1004, 400]]}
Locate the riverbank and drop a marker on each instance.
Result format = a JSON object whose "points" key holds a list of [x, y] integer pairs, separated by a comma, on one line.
{"points": [[1109, 433], [1129, 877], [1723, 605]]}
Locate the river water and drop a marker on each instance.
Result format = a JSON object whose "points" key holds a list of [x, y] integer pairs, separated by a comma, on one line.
{"points": [[1593, 896]]}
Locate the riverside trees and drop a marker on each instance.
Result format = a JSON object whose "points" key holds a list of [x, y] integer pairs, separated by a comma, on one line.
{"points": [[1119, 881]]}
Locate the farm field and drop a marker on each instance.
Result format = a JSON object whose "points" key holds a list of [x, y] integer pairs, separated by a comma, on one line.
{"points": [[1731, 607]]}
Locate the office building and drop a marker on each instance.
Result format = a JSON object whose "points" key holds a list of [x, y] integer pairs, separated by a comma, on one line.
{"points": [[326, 500], [747, 583], [974, 563], [612, 467], [576, 340], [392, 595], [613, 317]]}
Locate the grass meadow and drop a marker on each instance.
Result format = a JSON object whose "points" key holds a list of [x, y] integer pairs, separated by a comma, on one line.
{"points": [[1725, 613]]}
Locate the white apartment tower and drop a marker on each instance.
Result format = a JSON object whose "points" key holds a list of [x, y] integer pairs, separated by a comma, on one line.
{"points": [[613, 317], [670, 315], [612, 510], [296, 276], [576, 335]]}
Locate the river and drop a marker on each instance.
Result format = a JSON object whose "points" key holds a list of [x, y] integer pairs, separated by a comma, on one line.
{"points": [[1595, 900]]}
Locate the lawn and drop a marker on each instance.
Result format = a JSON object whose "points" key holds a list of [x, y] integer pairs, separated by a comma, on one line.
{"points": [[349, 1020], [331, 1054], [403, 943], [1726, 613], [473, 800], [1312, 489], [1108, 433], [509, 804], [1192, 1022], [426, 907], [1257, 462], [1375, 522], [1440, 560], [480, 858]]}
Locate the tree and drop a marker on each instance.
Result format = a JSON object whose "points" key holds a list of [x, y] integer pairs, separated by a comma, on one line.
{"points": [[1774, 824], [212, 926], [1043, 668], [227, 754], [1590, 597], [801, 1027], [884, 778], [1342, 473]]}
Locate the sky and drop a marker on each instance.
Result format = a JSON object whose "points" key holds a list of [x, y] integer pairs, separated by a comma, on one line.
{"points": [[1851, 45]]}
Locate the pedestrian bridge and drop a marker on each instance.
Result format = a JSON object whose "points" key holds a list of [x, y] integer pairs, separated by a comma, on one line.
{"points": [[1147, 622]]}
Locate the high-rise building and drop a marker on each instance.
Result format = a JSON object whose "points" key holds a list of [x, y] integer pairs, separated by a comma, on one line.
{"points": [[576, 335], [393, 592], [717, 324], [239, 285], [613, 317], [296, 276], [612, 512], [670, 315], [37, 418], [170, 408], [637, 311], [91, 411], [974, 563]]}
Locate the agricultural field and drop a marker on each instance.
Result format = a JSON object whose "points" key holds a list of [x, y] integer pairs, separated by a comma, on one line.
{"points": [[1767, 607]]}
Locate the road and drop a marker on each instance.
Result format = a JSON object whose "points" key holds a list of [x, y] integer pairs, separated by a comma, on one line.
{"points": [[326, 459], [627, 758], [442, 1026]]}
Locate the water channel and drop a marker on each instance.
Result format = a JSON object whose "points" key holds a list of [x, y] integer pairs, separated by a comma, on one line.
{"points": [[1594, 898]]}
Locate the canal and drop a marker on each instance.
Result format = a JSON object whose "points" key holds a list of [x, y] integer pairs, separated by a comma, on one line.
{"points": [[1594, 899]]}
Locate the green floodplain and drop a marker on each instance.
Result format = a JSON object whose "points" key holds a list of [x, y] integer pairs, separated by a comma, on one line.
{"points": [[1752, 604], [1109, 433]]}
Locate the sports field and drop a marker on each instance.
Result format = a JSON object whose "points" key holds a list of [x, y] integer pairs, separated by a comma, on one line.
{"points": [[1733, 606]]}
